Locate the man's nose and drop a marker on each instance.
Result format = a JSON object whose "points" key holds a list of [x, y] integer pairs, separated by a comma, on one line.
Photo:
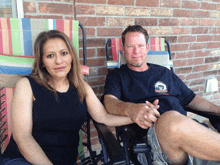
{"points": [[136, 49]]}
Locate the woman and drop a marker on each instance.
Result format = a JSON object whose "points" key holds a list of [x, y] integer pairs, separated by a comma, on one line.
{"points": [[50, 106]]}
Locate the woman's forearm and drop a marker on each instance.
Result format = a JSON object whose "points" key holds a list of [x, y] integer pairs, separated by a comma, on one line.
{"points": [[32, 152]]}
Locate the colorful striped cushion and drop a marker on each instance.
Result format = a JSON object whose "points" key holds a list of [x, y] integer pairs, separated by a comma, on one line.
{"points": [[17, 37]]}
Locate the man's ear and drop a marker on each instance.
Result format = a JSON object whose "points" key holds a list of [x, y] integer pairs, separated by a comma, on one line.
{"points": [[148, 46]]}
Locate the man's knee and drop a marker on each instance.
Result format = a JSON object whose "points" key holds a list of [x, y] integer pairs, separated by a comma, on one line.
{"points": [[171, 122]]}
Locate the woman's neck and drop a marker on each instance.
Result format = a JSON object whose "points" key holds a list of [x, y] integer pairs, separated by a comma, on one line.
{"points": [[60, 85]]}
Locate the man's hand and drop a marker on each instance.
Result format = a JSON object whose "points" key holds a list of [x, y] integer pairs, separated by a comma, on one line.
{"points": [[145, 114]]}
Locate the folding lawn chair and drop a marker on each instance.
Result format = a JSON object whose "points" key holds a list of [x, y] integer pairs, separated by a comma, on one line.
{"points": [[17, 36], [160, 55]]}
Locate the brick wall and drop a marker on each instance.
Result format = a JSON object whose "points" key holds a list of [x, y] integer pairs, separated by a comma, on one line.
{"points": [[191, 26]]}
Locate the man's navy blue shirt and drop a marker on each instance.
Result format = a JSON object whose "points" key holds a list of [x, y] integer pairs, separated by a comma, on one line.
{"points": [[155, 83]]}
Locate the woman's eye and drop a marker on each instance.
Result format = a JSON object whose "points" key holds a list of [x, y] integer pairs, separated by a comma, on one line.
{"points": [[64, 53], [49, 55]]}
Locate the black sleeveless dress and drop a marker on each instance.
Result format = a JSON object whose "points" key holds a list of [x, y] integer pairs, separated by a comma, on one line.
{"points": [[56, 124]]}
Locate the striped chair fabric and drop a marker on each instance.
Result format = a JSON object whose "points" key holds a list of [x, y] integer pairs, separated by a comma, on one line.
{"points": [[156, 54]]}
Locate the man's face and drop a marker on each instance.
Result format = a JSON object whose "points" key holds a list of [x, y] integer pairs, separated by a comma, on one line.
{"points": [[135, 50]]}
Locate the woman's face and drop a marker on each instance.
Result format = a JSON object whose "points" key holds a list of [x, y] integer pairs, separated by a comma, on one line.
{"points": [[57, 58]]}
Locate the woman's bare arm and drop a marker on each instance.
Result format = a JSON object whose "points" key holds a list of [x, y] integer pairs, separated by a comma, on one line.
{"points": [[22, 124]]}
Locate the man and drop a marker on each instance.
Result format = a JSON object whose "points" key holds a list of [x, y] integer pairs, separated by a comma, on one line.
{"points": [[134, 91]]}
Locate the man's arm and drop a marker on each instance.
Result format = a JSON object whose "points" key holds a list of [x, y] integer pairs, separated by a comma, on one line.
{"points": [[144, 114], [201, 104]]}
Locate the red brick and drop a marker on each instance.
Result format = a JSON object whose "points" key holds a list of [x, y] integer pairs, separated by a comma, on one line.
{"points": [[29, 7], [150, 3], [168, 22], [89, 52], [207, 22], [146, 22], [200, 68], [109, 10], [90, 32], [85, 9], [208, 6], [119, 21], [214, 30], [161, 12], [200, 14], [182, 13], [92, 21], [200, 30], [211, 45], [197, 82], [101, 52], [95, 62], [202, 53], [178, 63], [197, 46], [102, 71], [209, 73], [109, 31], [187, 38], [180, 30], [183, 70], [195, 61], [185, 54], [56, 8], [92, 1], [160, 31], [217, 22], [216, 38], [189, 22], [137, 11], [190, 4], [96, 81], [193, 76], [202, 38], [93, 72], [195, 89], [94, 42], [170, 3], [211, 59], [179, 47], [121, 2]]}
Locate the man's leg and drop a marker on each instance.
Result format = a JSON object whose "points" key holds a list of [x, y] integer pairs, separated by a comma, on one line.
{"points": [[179, 136]]}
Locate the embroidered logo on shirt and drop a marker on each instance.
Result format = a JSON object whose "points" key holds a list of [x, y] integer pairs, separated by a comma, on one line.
{"points": [[161, 88]]}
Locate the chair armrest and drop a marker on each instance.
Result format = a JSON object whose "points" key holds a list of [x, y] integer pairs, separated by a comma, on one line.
{"points": [[214, 120], [114, 151]]}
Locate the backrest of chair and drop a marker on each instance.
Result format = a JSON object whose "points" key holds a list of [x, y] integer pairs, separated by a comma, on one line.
{"points": [[17, 37], [157, 53]]}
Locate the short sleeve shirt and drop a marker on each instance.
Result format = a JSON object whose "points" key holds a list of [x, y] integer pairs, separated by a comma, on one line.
{"points": [[155, 83]]}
